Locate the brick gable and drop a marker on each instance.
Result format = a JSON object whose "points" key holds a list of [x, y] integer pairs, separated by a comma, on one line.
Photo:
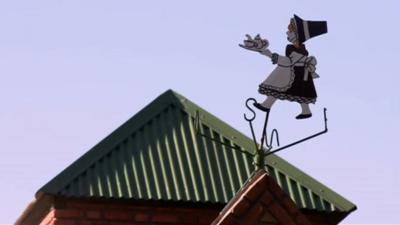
{"points": [[261, 202]]}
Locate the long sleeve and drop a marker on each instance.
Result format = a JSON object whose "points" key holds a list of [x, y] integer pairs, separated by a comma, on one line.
{"points": [[266, 52], [293, 55]]}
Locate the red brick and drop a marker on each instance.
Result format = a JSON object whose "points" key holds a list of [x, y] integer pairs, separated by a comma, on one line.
{"points": [[68, 213], [133, 207], [156, 210], [268, 218], [317, 219], [302, 220], [188, 211], [289, 205], [207, 218], [101, 213], [240, 207], [164, 218], [121, 223], [189, 219], [256, 188], [227, 220], [254, 215], [276, 190], [99, 223], [85, 222], [267, 198], [280, 214], [64, 222], [118, 215], [93, 214], [142, 217]]}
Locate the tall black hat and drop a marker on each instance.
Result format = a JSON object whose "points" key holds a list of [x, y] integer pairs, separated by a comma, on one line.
{"points": [[309, 29]]}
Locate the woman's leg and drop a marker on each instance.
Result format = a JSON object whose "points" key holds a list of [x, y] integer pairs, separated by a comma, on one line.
{"points": [[305, 108], [305, 112], [266, 105], [269, 102]]}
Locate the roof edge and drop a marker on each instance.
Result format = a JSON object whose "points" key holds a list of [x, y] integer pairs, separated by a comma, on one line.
{"points": [[311, 183]]}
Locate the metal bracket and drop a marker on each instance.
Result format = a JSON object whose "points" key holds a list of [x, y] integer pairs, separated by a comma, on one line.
{"points": [[264, 131], [304, 139], [268, 151], [261, 151], [198, 132]]}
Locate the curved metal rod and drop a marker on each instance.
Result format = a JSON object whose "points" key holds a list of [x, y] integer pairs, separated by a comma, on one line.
{"points": [[198, 132], [264, 131], [250, 119], [275, 134], [302, 140]]}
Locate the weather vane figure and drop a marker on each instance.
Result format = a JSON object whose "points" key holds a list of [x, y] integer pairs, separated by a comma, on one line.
{"points": [[292, 79]]}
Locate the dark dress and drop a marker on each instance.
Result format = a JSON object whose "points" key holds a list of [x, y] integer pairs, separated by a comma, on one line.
{"points": [[301, 91]]}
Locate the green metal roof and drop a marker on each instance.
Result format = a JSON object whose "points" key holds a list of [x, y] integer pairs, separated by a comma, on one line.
{"points": [[157, 155]]}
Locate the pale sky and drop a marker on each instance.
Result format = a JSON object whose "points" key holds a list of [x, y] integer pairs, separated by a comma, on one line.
{"points": [[73, 71]]}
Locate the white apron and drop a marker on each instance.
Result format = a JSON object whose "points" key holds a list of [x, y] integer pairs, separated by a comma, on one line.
{"points": [[282, 77]]}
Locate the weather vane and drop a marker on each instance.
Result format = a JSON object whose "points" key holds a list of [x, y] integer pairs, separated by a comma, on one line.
{"points": [[291, 80]]}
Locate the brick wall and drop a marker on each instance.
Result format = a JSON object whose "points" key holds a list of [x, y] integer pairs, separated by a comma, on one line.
{"points": [[104, 213]]}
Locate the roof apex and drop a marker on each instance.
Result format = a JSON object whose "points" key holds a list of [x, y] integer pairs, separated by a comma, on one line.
{"points": [[108, 143]]}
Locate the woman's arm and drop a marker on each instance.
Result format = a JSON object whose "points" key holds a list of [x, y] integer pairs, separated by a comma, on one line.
{"points": [[276, 58], [266, 52]]}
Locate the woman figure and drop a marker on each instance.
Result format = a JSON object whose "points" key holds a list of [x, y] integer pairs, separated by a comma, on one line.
{"points": [[292, 79]]}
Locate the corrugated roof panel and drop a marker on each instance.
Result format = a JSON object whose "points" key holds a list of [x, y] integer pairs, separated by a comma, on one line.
{"points": [[157, 155]]}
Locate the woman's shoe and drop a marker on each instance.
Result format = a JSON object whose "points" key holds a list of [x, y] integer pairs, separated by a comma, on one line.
{"points": [[303, 116], [261, 107]]}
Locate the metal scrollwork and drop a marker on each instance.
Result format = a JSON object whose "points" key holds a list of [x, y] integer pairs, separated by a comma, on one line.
{"points": [[265, 148]]}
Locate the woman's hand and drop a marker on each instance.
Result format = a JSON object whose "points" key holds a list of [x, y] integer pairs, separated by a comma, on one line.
{"points": [[257, 44]]}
